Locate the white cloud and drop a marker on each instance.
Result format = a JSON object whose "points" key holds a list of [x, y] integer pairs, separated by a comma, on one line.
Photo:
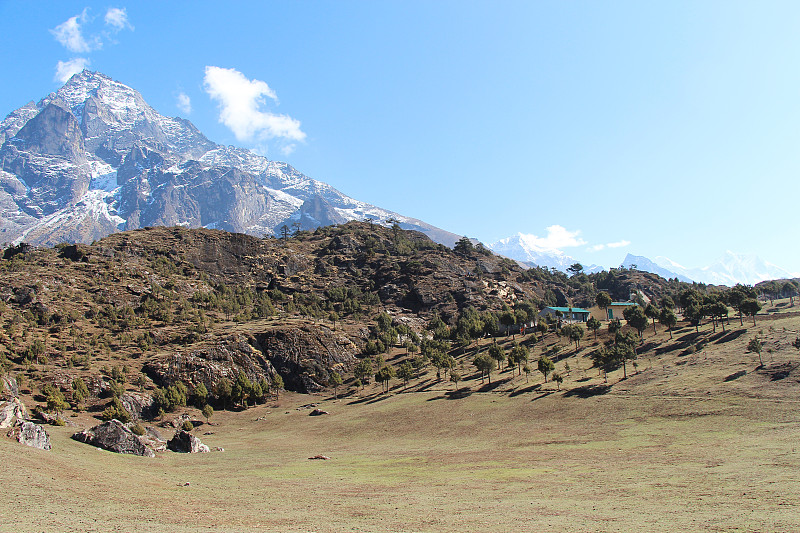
{"points": [[557, 237], [70, 34], [598, 247], [117, 18], [240, 104], [184, 103], [65, 69]]}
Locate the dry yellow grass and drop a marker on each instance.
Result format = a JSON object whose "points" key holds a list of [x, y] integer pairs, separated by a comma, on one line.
{"points": [[675, 447]]}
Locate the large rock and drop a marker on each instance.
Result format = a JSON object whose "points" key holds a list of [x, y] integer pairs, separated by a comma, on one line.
{"points": [[140, 406], [114, 436], [185, 442], [9, 388], [12, 412], [31, 434], [303, 356]]}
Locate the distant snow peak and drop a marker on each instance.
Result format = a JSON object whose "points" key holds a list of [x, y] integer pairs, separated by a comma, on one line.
{"points": [[557, 238], [533, 250], [730, 269]]}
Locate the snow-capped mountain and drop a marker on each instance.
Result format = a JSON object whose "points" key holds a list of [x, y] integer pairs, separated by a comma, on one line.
{"points": [[521, 247], [645, 264], [730, 269], [93, 158]]}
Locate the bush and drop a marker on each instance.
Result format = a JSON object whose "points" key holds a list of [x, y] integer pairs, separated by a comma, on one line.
{"points": [[137, 429], [187, 425], [116, 410]]}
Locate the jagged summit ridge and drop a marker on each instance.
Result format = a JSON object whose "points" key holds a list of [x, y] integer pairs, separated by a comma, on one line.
{"points": [[126, 166]]}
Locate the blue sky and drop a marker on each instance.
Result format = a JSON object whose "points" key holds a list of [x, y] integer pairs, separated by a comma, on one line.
{"points": [[671, 126]]}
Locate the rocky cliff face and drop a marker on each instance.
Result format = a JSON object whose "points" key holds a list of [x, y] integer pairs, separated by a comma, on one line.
{"points": [[94, 158], [303, 357]]}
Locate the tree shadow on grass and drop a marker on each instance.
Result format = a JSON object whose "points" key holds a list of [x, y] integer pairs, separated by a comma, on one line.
{"points": [[463, 392], [487, 387], [587, 391], [525, 389], [427, 384], [434, 398], [543, 394], [372, 398], [681, 344], [729, 336]]}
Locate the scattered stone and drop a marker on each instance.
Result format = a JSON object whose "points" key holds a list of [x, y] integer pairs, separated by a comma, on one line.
{"points": [[318, 412], [12, 412], [114, 436], [219, 449], [185, 442], [208, 433], [153, 439], [175, 422], [31, 434], [55, 420], [320, 457]]}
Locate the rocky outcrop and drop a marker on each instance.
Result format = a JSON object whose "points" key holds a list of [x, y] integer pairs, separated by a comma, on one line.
{"points": [[212, 362], [12, 412], [9, 387], [303, 356], [31, 434], [140, 406], [185, 442], [114, 436]]}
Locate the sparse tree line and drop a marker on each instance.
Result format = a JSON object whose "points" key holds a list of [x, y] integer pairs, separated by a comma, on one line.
{"points": [[27, 335]]}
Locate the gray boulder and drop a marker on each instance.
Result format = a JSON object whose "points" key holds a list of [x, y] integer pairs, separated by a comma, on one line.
{"points": [[31, 434], [140, 406], [12, 412], [185, 442], [153, 439], [9, 388], [114, 436]]}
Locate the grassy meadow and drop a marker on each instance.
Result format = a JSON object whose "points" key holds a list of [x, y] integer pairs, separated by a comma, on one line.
{"points": [[678, 446]]}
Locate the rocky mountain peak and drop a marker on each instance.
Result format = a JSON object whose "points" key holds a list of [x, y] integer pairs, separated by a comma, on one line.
{"points": [[93, 158], [53, 131]]}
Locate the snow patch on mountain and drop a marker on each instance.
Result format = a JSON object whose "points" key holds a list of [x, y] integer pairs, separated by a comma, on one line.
{"points": [[128, 144], [522, 247], [730, 269]]}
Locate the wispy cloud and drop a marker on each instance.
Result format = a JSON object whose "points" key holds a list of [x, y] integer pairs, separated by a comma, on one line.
{"points": [[618, 244], [70, 34], [117, 18], [65, 69], [242, 105], [184, 103]]}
